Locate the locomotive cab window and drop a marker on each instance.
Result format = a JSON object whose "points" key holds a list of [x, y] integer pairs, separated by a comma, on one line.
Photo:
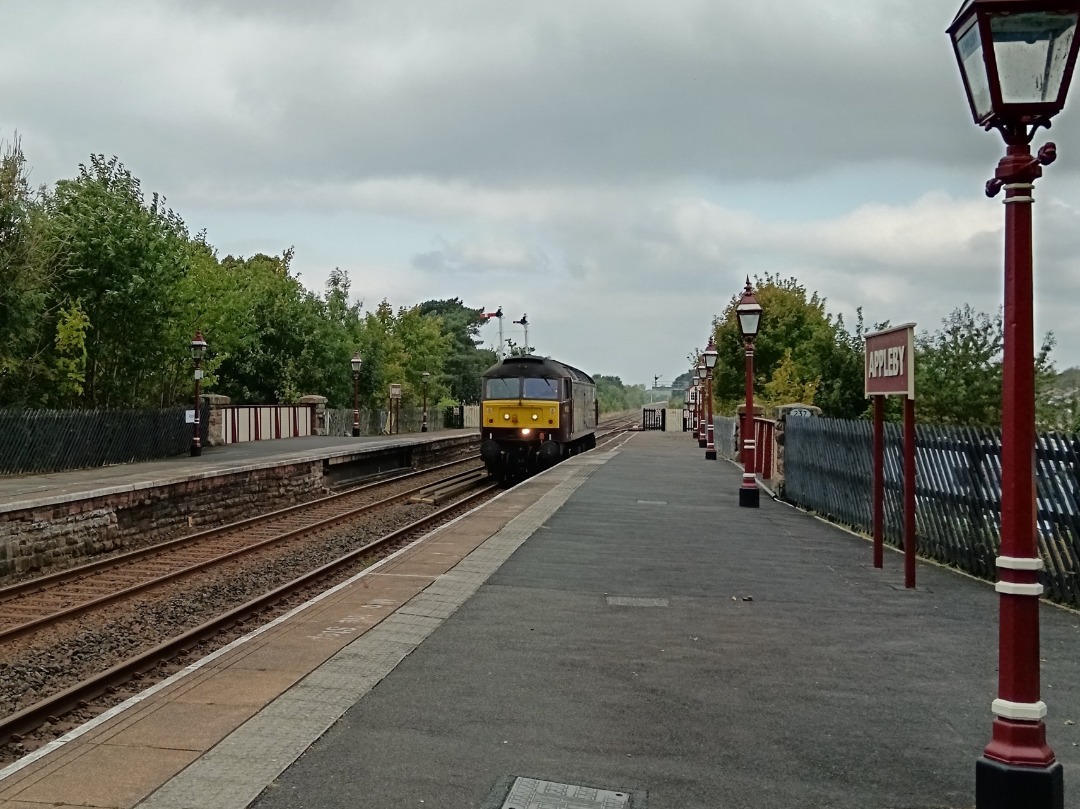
{"points": [[541, 388], [502, 388]]}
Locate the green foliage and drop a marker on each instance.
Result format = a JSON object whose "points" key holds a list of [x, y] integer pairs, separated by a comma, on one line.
{"points": [[102, 290], [800, 341], [122, 258], [616, 397], [788, 384], [71, 329], [958, 370], [465, 361], [24, 283], [1057, 400]]}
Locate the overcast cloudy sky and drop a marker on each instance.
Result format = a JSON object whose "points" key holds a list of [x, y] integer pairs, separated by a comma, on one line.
{"points": [[612, 168]]}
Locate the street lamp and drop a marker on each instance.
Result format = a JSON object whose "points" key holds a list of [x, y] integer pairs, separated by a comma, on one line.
{"points": [[702, 371], [692, 387], [356, 363], [710, 363], [423, 420], [198, 351], [748, 310], [1016, 58]]}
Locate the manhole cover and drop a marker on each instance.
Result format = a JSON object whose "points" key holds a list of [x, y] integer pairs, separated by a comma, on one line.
{"points": [[530, 793]]}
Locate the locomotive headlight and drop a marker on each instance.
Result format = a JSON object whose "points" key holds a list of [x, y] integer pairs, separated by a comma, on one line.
{"points": [[535, 417], [526, 431], [506, 416]]}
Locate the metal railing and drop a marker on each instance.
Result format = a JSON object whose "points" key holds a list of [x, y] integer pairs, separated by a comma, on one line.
{"points": [[41, 441], [957, 492]]}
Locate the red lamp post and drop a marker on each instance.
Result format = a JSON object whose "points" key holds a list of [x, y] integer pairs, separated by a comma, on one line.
{"points": [[423, 419], [1016, 58], [748, 310], [696, 410], [198, 351], [356, 363], [710, 362], [702, 372]]}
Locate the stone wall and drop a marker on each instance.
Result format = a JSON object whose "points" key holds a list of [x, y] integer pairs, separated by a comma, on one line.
{"points": [[52, 537], [43, 539]]}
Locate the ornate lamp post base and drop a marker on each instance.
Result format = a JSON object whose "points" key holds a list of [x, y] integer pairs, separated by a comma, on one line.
{"points": [[1007, 786], [710, 455], [750, 497]]}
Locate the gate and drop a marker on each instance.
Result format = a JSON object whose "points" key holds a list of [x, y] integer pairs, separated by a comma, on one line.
{"points": [[654, 419]]}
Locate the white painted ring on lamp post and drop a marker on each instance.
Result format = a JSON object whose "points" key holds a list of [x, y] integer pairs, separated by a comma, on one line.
{"points": [[1024, 711], [1015, 589], [1019, 563]]}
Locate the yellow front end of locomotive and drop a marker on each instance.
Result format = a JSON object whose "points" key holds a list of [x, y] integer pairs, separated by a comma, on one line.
{"points": [[526, 416]]}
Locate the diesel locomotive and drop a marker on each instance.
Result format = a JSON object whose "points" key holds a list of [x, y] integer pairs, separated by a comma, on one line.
{"points": [[534, 412]]}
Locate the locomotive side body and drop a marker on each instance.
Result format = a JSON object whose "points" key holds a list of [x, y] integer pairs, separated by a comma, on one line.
{"points": [[534, 412]]}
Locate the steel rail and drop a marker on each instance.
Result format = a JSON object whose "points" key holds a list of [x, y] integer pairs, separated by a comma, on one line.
{"points": [[28, 719], [36, 624], [76, 573]]}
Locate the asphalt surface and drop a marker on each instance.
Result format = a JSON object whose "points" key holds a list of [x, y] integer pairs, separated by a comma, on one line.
{"points": [[653, 638]]}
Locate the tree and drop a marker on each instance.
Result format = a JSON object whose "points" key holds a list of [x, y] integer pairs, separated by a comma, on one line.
{"points": [[25, 336], [466, 361], [615, 397], [787, 385], [798, 338], [122, 259], [1057, 403], [958, 369]]}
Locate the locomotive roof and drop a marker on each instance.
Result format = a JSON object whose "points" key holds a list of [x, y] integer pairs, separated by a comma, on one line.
{"points": [[531, 365]]}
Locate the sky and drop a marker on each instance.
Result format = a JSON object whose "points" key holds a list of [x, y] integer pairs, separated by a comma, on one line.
{"points": [[612, 169]]}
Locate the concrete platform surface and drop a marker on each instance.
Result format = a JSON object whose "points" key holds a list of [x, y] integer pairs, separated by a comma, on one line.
{"points": [[652, 644], [624, 636]]}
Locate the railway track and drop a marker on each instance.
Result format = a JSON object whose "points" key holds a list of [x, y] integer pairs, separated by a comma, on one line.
{"points": [[36, 723], [70, 596], [80, 695], [30, 606]]}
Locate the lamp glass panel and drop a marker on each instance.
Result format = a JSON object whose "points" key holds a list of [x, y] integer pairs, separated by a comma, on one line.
{"points": [[969, 47], [1031, 50], [748, 322]]}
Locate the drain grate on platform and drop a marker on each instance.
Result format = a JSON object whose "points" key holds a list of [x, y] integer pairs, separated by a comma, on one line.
{"points": [[531, 793], [630, 601]]}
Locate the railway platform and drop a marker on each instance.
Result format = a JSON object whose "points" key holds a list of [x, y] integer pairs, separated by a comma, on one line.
{"points": [[615, 632], [18, 492]]}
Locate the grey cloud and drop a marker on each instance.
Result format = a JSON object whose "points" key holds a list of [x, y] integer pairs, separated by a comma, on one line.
{"points": [[509, 93]]}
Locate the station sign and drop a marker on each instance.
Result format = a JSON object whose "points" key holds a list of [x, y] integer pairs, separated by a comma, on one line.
{"points": [[890, 362]]}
